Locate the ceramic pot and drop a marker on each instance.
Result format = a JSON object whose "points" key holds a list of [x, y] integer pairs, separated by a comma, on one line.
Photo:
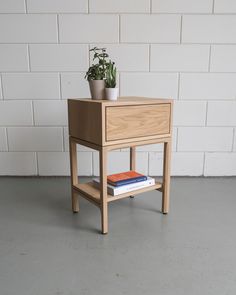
{"points": [[97, 89], [111, 93]]}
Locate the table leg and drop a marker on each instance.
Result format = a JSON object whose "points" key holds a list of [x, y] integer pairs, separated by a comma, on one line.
{"points": [[166, 178], [74, 175], [132, 160], [103, 189]]}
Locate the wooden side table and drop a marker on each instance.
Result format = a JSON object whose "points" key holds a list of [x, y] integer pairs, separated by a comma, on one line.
{"points": [[108, 125]]}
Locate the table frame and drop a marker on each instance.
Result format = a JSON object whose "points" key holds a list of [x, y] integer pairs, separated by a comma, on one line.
{"points": [[101, 198]]}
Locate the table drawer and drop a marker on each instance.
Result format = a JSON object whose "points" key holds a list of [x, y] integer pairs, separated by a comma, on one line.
{"points": [[124, 122]]}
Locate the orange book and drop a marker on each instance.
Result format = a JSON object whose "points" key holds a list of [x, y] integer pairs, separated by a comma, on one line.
{"points": [[125, 178]]}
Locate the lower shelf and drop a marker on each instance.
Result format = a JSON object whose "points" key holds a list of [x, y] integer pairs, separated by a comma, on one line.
{"points": [[92, 193]]}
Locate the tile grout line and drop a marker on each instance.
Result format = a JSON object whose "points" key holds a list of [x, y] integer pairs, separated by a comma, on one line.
{"points": [[149, 58], [58, 27], [1, 88], [37, 163], [213, 6], [88, 7], [119, 29], [123, 42], [33, 116], [177, 137], [178, 92], [204, 163], [232, 150], [63, 140], [29, 58], [125, 13], [60, 86], [62, 136], [26, 7], [209, 61], [181, 26], [206, 116], [150, 6], [6, 133]]}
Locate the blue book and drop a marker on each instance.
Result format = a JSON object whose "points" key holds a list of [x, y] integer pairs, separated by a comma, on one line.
{"points": [[131, 180]]}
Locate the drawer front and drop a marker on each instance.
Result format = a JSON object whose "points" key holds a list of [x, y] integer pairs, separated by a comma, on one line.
{"points": [[124, 122]]}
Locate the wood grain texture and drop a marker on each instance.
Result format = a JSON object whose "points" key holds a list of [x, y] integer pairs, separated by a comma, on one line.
{"points": [[93, 193], [166, 178], [74, 175], [103, 189], [107, 125], [85, 120], [137, 121]]}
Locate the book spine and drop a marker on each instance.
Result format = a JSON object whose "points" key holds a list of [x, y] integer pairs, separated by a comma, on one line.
{"points": [[124, 189], [128, 181]]}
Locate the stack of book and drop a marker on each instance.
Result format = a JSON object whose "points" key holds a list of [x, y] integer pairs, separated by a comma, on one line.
{"points": [[125, 182]]}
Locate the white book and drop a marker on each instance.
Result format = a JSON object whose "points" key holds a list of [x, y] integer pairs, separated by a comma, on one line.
{"points": [[114, 191]]}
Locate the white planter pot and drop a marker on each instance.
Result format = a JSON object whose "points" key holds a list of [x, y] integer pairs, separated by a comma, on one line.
{"points": [[111, 93], [97, 89]]}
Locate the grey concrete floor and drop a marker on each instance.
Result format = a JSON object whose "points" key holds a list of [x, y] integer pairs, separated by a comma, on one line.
{"points": [[45, 249]]}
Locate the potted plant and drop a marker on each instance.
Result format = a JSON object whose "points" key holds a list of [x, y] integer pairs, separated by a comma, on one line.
{"points": [[96, 73], [111, 89]]}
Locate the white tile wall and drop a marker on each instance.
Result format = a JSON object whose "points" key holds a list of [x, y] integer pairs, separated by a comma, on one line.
{"points": [[149, 28], [223, 58], [3, 139], [16, 113], [155, 163], [207, 86], [221, 113], [13, 57], [12, 6], [24, 28], [183, 163], [149, 84], [35, 139], [0, 87], [81, 28], [182, 6], [57, 163], [17, 163], [190, 164], [121, 6], [220, 164], [189, 113], [225, 6], [50, 6], [205, 139], [209, 29], [73, 85], [31, 86], [185, 58], [181, 49], [234, 145], [50, 112], [58, 57]]}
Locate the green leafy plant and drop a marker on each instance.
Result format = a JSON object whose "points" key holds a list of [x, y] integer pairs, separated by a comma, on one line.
{"points": [[110, 75], [97, 71]]}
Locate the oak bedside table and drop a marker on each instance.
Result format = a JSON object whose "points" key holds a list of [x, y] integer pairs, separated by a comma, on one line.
{"points": [[106, 125]]}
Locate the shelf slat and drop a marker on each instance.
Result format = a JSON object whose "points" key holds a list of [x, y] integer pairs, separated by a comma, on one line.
{"points": [[89, 191]]}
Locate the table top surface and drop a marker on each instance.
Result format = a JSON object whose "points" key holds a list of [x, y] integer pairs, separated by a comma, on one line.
{"points": [[126, 100]]}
